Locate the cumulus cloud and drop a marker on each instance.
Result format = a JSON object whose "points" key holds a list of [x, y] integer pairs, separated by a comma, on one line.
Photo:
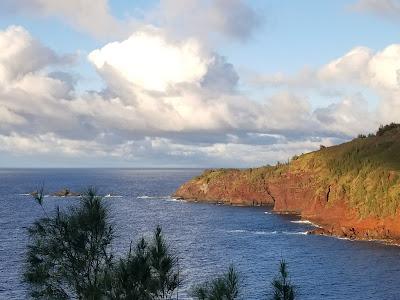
{"points": [[21, 54], [375, 69], [172, 102], [348, 67], [27, 94], [197, 93], [349, 116], [361, 70], [149, 61]]}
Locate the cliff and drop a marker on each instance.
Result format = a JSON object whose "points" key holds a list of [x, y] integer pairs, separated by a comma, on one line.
{"points": [[352, 190]]}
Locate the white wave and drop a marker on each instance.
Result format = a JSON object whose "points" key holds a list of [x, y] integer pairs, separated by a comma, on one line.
{"points": [[55, 196], [176, 200], [146, 197], [265, 232], [153, 197], [295, 232], [237, 231], [32, 195], [307, 222], [343, 238], [267, 212], [252, 232], [112, 196]]}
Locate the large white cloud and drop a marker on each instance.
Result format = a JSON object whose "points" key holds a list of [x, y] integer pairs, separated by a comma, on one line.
{"points": [[149, 61], [348, 67], [362, 65]]}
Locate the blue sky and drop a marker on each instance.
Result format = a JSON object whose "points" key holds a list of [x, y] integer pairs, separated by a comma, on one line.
{"points": [[294, 74]]}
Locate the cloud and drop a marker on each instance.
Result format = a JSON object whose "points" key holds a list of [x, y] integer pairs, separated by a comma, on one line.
{"points": [[221, 75], [21, 54], [148, 60], [93, 17], [153, 150], [347, 67], [349, 116], [374, 69], [234, 19], [381, 8], [169, 85], [30, 99], [361, 69], [191, 112], [198, 92], [206, 20]]}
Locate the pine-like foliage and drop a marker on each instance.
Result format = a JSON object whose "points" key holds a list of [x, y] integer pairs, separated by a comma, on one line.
{"points": [[224, 287], [149, 272], [69, 257], [281, 285], [69, 254]]}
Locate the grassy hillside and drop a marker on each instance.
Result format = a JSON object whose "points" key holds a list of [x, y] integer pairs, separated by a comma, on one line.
{"points": [[365, 172]]}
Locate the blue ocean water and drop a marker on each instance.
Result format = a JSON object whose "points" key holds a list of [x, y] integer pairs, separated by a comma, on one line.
{"points": [[206, 237]]}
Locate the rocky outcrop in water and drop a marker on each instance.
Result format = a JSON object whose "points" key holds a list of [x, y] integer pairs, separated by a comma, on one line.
{"points": [[65, 192]]}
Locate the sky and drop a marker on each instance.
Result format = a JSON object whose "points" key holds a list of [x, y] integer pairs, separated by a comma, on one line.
{"points": [[192, 83]]}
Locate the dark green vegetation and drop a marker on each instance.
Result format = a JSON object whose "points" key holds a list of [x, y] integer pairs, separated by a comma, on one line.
{"points": [[70, 257], [224, 287], [282, 287]]}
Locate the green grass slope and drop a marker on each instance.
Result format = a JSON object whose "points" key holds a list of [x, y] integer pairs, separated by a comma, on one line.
{"points": [[365, 172]]}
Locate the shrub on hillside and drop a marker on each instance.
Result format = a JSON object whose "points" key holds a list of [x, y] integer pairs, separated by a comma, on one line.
{"points": [[386, 128]]}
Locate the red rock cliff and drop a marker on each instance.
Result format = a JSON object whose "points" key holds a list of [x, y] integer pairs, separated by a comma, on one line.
{"points": [[358, 202]]}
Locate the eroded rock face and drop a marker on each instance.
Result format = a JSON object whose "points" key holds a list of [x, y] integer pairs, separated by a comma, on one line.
{"points": [[300, 193], [232, 188]]}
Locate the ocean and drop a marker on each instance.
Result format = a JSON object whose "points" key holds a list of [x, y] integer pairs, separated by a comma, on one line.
{"points": [[207, 238]]}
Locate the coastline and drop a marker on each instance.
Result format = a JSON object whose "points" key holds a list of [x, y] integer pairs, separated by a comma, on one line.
{"points": [[326, 230]]}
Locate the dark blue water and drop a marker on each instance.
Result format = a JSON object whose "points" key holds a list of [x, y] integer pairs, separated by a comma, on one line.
{"points": [[206, 237]]}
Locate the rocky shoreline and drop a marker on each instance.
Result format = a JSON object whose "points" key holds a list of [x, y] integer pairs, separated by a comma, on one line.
{"points": [[348, 233], [291, 193]]}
